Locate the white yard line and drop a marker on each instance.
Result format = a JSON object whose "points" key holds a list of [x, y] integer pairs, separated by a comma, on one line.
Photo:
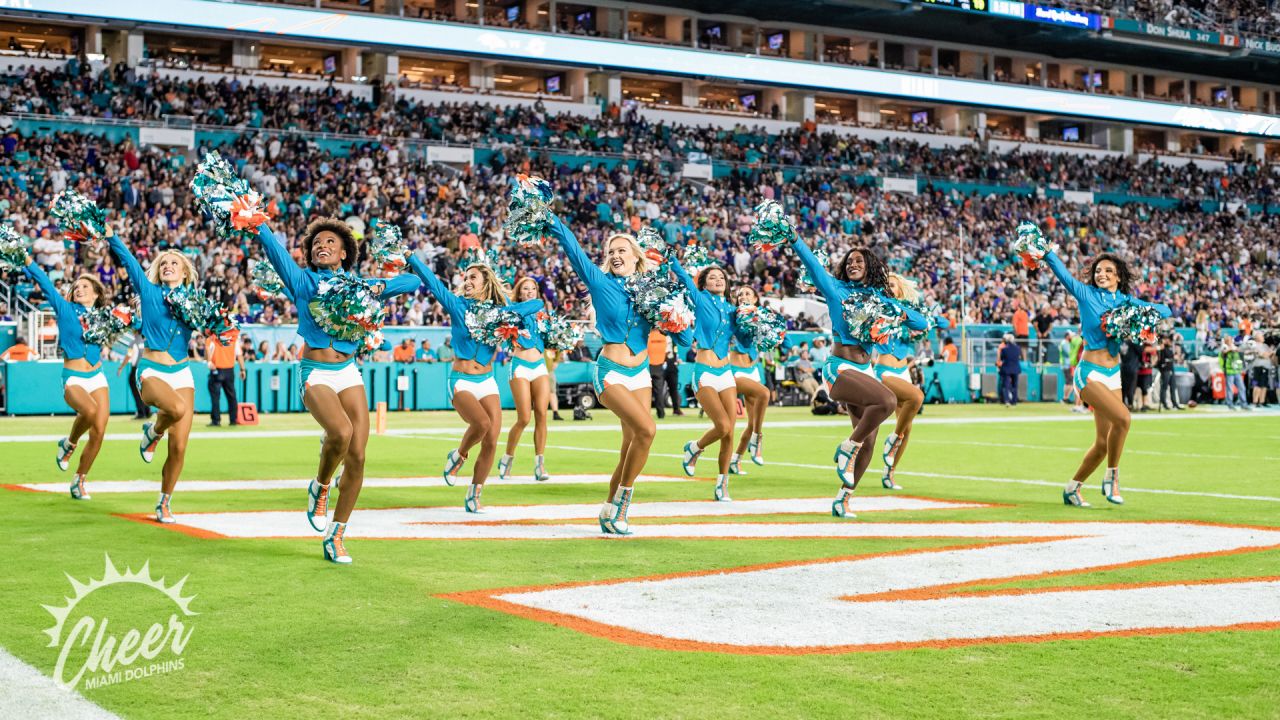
{"points": [[27, 693], [688, 425]]}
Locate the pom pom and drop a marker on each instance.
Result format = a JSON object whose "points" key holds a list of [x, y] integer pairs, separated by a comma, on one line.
{"points": [[1031, 245], [387, 248], [663, 302], [823, 258], [557, 332], [345, 308], [652, 244], [494, 325], [104, 326], [227, 198], [195, 309], [529, 214], [696, 259], [13, 248], [872, 319], [773, 227], [764, 328], [1131, 322], [78, 217], [372, 343], [267, 282]]}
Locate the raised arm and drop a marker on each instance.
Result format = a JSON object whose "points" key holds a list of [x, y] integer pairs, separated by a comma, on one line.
{"points": [[280, 259], [915, 319], [1161, 308], [817, 271], [577, 257], [137, 276], [528, 308], [441, 292], [690, 284], [1074, 286], [36, 273]]}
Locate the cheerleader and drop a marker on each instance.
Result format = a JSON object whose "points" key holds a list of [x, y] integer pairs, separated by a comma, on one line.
{"points": [[622, 368], [713, 379], [749, 377], [1097, 378], [83, 383], [332, 387], [473, 391], [893, 367], [848, 371], [531, 387], [163, 376]]}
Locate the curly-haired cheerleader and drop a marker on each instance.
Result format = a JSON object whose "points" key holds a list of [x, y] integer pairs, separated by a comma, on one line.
{"points": [[848, 371], [531, 387], [332, 388], [713, 380], [893, 367], [622, 368], [473, 391], [84, 385], [164, 378], [748, 375], [1098, 376]]}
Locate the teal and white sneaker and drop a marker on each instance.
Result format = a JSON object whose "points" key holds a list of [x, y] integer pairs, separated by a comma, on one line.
{"points": [[65, 450], [163, 515], [1074, 498], [1111, 486], [691, 454], [840, 506], [755, 448], [78, 490], [334, 549], [613, 516], [452, 464], [504, 467], [735, 465], [887, 481], [540, 469], [147, 448], [472, 503], [722, 489], [890, 447], [846, 458], [318, 505]]}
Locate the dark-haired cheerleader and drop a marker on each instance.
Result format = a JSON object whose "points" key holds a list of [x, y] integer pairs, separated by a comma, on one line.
{"points": [[1098, 377], [848, 371], [332, 388]]}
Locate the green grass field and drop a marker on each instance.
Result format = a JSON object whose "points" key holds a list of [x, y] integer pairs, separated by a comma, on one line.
{"points": [[281, 633]]}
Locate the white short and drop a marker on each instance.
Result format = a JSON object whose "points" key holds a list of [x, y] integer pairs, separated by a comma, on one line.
{"points": [[178, 380], [339, 379], [91, 384], [903, 373], [641, 381], [718, 379], [480, 389], [524, 372]]}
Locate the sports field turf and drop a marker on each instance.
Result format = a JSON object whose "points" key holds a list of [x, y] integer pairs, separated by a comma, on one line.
{"points": [[281, 633]]}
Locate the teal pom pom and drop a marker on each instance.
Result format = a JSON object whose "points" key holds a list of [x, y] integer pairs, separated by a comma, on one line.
{"points": [[773, 227], [494, 325], [387, 248], [13, 248], [765, 328], [195, 309], [345, 308], [105, 326], [823, 258], [696, 259], [78, 217], [872, 319], [267, 281], [557, 332], [1131, 322], [660, 300], [529, 214], [227, 198], [1031, 245]]}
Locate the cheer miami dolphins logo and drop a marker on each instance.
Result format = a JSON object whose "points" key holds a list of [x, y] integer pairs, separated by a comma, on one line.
{"points": [[114, 657]]}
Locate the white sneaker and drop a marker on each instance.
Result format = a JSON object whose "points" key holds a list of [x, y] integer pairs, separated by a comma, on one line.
{"points": [[452, 464], [334, 549], [1111, 488], [504, 467], [78, 490], [540, 469], [1074, 498], [163, 515], [691, 454], [755, 448], [472, 503], [613, 516], [722, 489], [318, 505], [846, 458], [890, 445], [735, 466], [147, 448], [887, 480], [840, 507], [65, 451]]}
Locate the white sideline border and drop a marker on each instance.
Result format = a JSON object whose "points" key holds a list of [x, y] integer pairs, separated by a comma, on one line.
{"points": [[29, 693]]}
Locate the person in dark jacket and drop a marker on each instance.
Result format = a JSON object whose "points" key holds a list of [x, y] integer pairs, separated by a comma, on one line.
{"points": [[1164, 363], [1009, 362], [1130, 365]]}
